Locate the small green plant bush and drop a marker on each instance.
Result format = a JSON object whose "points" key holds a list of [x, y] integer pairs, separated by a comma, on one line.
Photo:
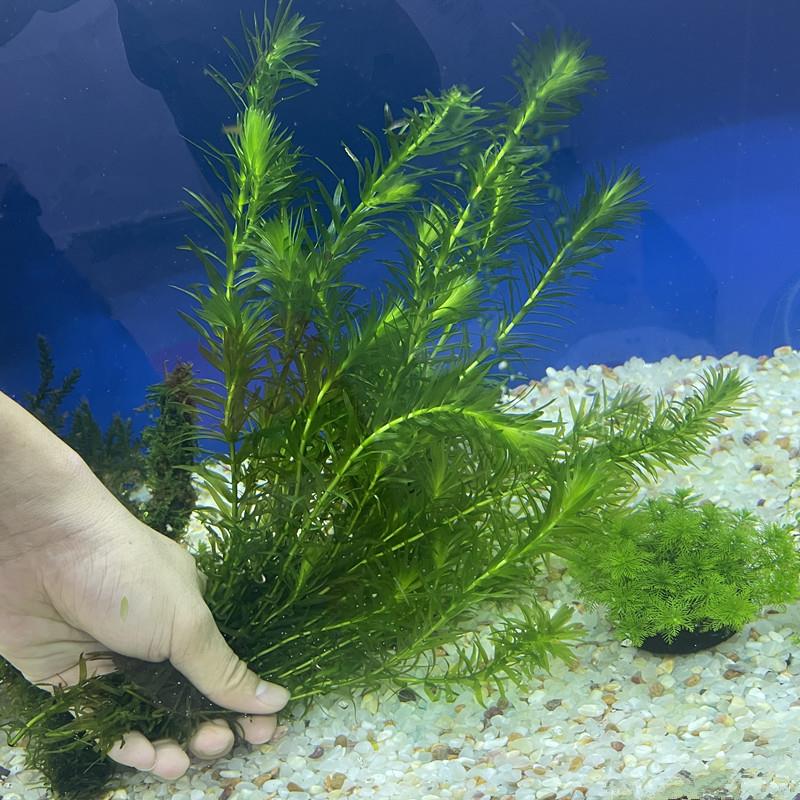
{"points": [[675, 564]]}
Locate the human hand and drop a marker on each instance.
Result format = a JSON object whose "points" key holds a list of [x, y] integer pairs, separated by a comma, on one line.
{"points": [[93, 578]]}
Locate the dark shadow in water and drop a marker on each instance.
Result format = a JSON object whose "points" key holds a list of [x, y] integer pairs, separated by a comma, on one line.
{"points": [[43, 293], [16, 14]]}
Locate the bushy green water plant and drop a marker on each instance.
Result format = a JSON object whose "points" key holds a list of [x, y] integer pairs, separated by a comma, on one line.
{"points": [[676, 564], [373, 495]]}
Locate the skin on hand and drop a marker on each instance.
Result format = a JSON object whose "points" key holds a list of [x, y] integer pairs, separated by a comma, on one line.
{"points": [[80, 574]]}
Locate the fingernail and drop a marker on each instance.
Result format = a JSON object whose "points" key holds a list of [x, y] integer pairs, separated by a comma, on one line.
{"points": [[272, 696]]}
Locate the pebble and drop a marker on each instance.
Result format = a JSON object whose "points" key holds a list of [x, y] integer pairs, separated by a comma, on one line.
{"points": [[656, 689], [590, 710]]}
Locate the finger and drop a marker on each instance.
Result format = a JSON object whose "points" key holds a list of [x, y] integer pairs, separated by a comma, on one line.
{"points": [[212, 739], [258, 730], [171, 761], [134, 750], [163, 758], [202, 655], [215, 737]]}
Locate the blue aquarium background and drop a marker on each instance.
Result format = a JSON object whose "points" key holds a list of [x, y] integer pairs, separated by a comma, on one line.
{"points": [[101, 100]]}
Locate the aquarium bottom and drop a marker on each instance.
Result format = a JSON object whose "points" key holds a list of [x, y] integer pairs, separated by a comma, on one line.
{"points": [[624, 724]]}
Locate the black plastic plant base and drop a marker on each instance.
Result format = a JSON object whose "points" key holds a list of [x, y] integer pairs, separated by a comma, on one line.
{"points": [[686, 641]]}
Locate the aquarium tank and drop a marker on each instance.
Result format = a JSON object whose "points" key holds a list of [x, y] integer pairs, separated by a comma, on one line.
{"points": [[442, 357]]}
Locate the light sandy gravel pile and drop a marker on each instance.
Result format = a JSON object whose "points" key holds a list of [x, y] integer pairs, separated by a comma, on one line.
{"points": [[622, 724]]}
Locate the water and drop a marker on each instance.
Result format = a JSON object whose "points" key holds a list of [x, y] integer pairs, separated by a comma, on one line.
{"points": [[102, 99]]}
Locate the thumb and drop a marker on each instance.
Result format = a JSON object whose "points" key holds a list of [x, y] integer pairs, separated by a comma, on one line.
{"points": [[200, 652]]}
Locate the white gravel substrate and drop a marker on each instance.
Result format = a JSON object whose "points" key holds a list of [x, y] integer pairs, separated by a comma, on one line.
{"points": [[623, 724]]}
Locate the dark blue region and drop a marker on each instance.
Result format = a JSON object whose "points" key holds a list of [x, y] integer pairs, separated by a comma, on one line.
{"points": [[168, 46], [16, 14], [44, 295], [703, 91]]}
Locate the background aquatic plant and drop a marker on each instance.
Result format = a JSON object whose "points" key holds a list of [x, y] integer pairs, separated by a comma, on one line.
{"points": [[374, 497], [114, 455], [46, 403], [674, 564], [170, 446], [159, 461]]}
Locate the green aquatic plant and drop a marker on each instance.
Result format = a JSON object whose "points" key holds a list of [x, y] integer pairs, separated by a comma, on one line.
{"points": [[674, 565], [46, 403], [114, 455], [369, 495]]}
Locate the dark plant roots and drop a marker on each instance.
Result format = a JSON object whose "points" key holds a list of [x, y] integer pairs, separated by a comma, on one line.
{"points": [[687, 641]]}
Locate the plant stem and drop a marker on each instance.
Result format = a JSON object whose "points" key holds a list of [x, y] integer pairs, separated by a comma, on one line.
{"points": [[525, 307], [467, 597], [406, 154], [393, 423]]}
